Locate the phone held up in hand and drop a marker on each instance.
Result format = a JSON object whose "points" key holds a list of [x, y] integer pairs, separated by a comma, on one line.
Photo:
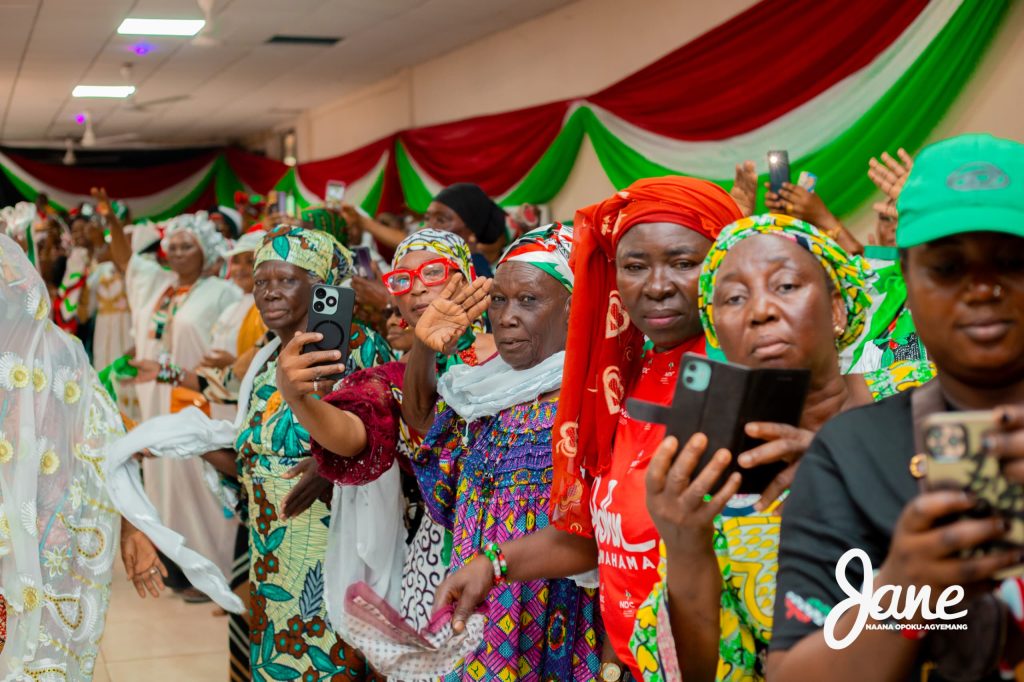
{"points": [[335, 194], [778, 169], [954, 458], [364, 263], [330, 314], [719, 399]]}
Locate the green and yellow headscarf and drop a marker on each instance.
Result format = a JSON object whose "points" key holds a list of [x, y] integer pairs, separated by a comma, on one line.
{"points": [[312, 250], [849, 274]]}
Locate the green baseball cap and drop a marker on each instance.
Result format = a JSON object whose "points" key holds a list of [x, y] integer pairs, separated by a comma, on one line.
{"points": [[968, 183]]}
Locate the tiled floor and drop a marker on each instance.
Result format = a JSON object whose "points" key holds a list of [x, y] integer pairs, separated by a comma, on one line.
{"points": [[161, 640]]}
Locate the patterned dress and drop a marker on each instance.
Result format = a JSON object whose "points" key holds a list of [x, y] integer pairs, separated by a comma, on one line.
{"points": [[747, 548], [289, 636], [490, 481]]}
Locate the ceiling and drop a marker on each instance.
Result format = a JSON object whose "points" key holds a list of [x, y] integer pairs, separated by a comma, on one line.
{"points": [[235, 87]]}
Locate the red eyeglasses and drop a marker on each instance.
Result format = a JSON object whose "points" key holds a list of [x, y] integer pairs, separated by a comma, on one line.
{"points": [[432, 273]]}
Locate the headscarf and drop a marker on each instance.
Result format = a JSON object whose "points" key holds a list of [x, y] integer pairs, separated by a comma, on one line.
{"points": [[547, 248], [315, 252], [250, 241], [230, 217], [849, 274], [603, 348], [325, 220], [211, 241], [446, 244], [482, 216], [57, 524]]}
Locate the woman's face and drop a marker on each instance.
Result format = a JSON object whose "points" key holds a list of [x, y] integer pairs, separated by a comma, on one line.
{"points": [[966, 294], [529, 313], [241, 270], [80, 232], [418, 299], [400, 335], [282, 292], [657, 266], [773, 306], [184, 255], [441, 217]]}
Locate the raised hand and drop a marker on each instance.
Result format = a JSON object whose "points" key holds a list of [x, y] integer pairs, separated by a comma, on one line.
{"points": [[889, 174], [299, 374], [796, 201], [451, 313], [744, 188], [102, 200], [886, 218]]}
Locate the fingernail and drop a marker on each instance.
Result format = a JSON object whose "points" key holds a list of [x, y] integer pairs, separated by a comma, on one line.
{"points": [[745, 460]]}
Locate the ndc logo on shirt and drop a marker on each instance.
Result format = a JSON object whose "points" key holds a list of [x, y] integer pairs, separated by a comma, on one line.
{"points": [[977, 176]]}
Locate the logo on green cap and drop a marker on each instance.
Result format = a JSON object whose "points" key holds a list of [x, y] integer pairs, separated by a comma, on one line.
{"points": [[976, 176]]}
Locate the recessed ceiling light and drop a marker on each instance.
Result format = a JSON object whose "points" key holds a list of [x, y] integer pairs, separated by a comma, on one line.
{"points": [[117, 91], [160, 27]]}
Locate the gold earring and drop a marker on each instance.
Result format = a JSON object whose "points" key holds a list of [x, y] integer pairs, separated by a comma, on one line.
{"points": [[838, 330]]}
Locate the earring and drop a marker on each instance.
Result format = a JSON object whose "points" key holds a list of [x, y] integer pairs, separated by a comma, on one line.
{"points": [[838, 330], [998, 291]]}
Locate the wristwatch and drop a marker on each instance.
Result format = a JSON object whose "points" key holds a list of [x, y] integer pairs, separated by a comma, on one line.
{"points": [[610, 672]]}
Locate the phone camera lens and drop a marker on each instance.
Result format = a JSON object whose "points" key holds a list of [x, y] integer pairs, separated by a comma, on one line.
{"points": [[332, 301], [318, 307], [320, 293]]}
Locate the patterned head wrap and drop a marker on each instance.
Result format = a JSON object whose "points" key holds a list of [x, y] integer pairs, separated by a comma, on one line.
{"points": [[331, 222], [316, 252], [603, 350], [547, 248], [211, 241], [446, 244], [849, 274]]}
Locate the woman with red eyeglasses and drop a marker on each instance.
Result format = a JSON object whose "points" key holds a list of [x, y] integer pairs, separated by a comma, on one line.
{"points": [[359, 433]]}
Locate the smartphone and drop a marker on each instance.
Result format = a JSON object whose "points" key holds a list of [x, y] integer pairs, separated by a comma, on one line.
{"points": [[282, 203], [364, 267], [955, 458], [330, 313], [719, 399], [778, 169], [335, 194]]}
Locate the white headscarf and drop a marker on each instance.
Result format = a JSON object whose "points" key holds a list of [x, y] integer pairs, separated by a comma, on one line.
{"points": [[205, 231], [57, 527]]}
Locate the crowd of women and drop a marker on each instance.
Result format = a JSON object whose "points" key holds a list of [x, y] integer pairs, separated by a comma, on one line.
{"points": [[477, 456]]}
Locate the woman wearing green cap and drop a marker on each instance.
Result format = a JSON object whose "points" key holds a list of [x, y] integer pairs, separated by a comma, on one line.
{"points": [[961, 235]]}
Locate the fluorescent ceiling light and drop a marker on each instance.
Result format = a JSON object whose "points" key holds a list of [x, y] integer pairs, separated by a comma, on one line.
{"points": [[117, 91], [160, 27]]}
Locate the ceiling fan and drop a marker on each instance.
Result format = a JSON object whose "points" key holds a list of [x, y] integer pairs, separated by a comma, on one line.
{"points": [[208, 36], [134, 105]]}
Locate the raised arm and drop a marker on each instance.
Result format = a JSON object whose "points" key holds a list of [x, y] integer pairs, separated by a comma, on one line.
{"points": [[387, 236], [120, 246]]}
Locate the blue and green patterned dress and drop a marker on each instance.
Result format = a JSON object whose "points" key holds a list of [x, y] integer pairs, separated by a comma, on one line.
{"points": [[290, 638]]}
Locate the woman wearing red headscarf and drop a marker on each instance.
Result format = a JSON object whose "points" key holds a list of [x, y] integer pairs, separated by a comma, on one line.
{"points": [[637, 257]]}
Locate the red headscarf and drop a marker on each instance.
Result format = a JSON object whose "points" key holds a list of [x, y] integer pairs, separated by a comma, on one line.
{"points": [[603, 348]]}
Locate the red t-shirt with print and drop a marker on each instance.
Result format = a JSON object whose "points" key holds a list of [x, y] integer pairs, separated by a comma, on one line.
{"points": [[627, 540]]}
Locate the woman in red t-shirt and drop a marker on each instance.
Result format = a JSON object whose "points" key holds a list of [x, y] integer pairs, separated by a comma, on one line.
{"points": [[637, 257]]}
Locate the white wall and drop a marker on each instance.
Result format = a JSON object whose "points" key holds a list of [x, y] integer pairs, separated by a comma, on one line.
{"points": [[583, 48]]}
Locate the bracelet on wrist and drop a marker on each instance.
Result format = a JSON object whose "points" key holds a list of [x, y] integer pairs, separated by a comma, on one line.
{"points": [[494, 554]]}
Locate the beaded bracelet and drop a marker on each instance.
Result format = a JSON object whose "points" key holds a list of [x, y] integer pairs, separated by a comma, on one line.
{"points": [[493, 552], [169, 373]]}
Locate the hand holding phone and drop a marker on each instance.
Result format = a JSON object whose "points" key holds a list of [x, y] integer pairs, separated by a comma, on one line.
{"points": [[778, 169], [363, 262], [330, 314], [335, 194]]}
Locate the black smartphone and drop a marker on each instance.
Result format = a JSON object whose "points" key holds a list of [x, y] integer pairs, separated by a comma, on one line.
{"points": [[778, 169], [719, 399], [364, 267], [330, 313]]}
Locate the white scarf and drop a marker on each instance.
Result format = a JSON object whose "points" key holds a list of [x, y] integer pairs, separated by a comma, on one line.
{"points": [[487, 389]]}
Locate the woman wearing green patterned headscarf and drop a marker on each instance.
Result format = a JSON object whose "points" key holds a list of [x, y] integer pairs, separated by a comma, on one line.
{"points": [[774, 292]]}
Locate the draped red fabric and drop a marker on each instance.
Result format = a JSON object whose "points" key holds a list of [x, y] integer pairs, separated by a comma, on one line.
{"points": [[346, 168], [124, 184], [757, 66], [493, 151], [258, 172]]}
